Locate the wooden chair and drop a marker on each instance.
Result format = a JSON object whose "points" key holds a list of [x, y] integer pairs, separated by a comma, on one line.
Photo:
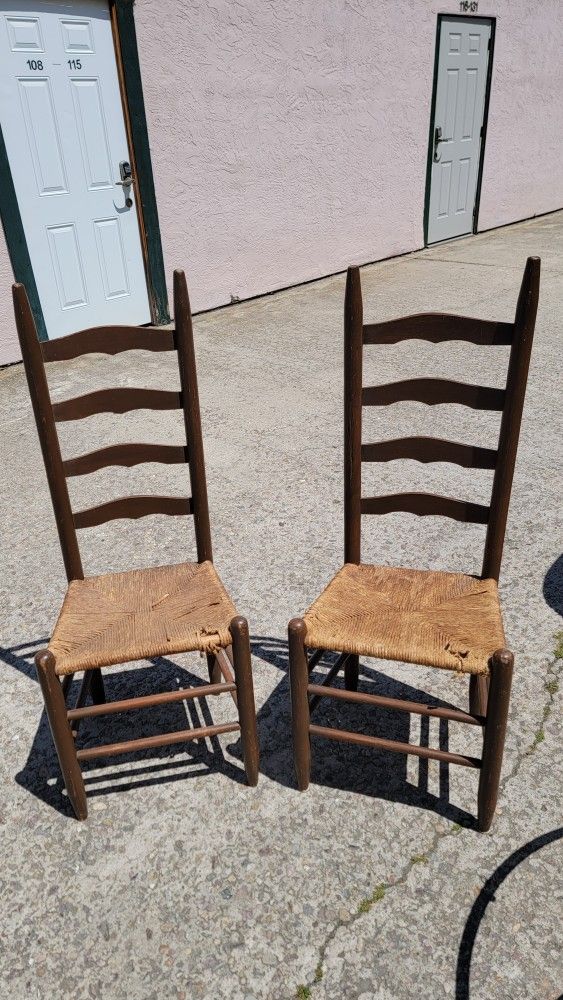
{"points": [[445, 620], [119, 617]]}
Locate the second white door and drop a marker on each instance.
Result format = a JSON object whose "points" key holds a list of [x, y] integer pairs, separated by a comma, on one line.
{"points": [[463, 59]]}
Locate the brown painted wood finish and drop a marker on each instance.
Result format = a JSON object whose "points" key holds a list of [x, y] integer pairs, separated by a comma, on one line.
{"points": [[488, 695], [107, 340], [47, 431], [112, 341], [120, 400], [133, 508]]}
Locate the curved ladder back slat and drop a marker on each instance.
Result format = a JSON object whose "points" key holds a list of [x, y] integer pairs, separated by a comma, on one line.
{"points": [[107, 340], [437, 328], [427, 449], [433, 391], [131, 507], [426, 504], [116, 401], [125, 455]]}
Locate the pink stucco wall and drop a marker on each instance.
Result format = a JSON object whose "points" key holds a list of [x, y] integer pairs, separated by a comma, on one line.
{"points": [[289, 139]]}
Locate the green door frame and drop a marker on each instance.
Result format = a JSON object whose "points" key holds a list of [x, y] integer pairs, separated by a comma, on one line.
{"points": [[460, 17], [136, 123]]}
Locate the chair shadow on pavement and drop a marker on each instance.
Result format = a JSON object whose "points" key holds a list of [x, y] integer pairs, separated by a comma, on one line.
{"points": [[382, 775], [41, 773]]}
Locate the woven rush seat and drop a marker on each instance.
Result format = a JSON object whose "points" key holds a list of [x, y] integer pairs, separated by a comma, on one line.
{"points": [[436, 619], [119, 617]]}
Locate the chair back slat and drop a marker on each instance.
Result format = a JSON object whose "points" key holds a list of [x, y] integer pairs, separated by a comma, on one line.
{"points": [[111, 341], [131, 507], [116, 401], [125, 455], [433, 391], [427, 449], [107, 340], [437, 328], [425, 504]]}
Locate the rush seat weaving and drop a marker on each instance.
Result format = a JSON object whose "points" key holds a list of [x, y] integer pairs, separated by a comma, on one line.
{"points": [[437, 619], [143, 613]]}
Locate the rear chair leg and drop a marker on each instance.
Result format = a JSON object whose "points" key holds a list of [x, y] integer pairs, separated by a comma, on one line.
{"points": [[97, 689], [501, 666], [55, 707], [245, 697], [215, 675], [351, 673], [300, 718]]}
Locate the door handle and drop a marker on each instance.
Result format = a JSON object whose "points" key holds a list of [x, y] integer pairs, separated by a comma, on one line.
{"points": [[125, 173], [126, 181], [437, 140]]}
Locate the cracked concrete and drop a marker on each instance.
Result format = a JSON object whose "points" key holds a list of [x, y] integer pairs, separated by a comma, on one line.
{"points": [[374, 884]]}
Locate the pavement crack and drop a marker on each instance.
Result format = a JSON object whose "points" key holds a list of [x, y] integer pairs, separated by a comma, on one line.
{"points": [[551, 686]]}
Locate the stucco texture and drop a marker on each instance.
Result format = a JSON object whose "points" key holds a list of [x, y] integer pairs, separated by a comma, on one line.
{"points": [[289, 140]]}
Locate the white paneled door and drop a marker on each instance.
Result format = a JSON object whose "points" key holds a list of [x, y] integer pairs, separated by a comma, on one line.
{"points": [[463, 59], [63, 127]]}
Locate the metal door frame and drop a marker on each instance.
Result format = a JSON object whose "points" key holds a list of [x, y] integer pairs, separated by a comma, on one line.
{"points": [[133, 107], [458, 17]]}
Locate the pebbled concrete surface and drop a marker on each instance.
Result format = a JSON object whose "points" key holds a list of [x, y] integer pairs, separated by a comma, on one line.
{"points": [[373, 885]]}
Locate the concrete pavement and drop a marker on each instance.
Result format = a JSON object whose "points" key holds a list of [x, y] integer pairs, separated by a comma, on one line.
{"points": [[373, 885]]}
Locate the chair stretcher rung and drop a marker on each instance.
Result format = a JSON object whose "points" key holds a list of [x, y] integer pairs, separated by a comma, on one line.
{"points": [[394, 746], [147, 701], [455, 714], [149, 742], [334, 670]]}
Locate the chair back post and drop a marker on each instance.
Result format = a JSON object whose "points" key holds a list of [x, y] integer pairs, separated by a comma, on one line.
{"points": [[353, 333], [47, 431], [192, 419], [517, 378]]}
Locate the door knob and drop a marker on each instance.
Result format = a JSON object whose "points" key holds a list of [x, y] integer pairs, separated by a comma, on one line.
{"points": [[437, 140]]}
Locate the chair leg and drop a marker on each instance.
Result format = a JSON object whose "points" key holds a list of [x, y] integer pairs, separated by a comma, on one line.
{"points": [[245, 697], [55, 707], [502, 663], [478, 694], [215, 675], [351, 673], [300, 718], [97, 689]]}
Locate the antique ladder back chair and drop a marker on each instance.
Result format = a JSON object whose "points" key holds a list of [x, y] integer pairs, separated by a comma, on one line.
{"points": [[438, 619], [119, 617]]}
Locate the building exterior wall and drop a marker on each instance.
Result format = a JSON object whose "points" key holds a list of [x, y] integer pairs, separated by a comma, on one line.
{"points": [[289, 140]]}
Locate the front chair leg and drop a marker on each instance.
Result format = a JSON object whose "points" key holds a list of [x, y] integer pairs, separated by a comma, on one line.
{"points": [[300, 717], [351, 673], [55, 707], [245, 697], [501, 666]]}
